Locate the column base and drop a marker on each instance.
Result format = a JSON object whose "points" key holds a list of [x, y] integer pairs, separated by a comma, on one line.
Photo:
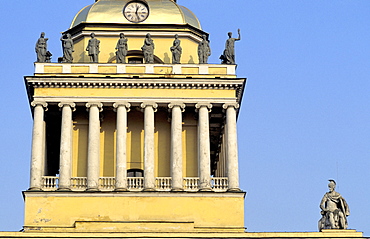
{"points": [[64, 189], [34, 189], [205, 190], [92, 190], [177, 190], [121, 190], [149, 190], [234, 190]]}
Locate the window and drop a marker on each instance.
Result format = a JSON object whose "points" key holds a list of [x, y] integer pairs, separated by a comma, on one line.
{"points": [[135, 173]]}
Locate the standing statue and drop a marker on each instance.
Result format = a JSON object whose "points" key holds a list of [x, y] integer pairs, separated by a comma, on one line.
{"points": [[176, 50], [67, 45], [334, 210], [148, 49], [122, 49], [41, 48], [204, 51], [228, 56], [93, 48]]}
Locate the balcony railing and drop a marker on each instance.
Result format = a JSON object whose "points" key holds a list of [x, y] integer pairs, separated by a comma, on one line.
{"points": [[50, 183], [135, 183], [191, 184]]}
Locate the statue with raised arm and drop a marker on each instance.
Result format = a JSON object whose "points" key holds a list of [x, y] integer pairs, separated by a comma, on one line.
{"points": [[148, 49], [204, 50], [228, 56], [122, 49], [93, 48], [334, 208], [67, 45], [176, 50], [41, 48]]}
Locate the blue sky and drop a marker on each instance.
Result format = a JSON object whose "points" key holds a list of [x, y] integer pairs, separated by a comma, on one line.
{"points": [[305, 116]]}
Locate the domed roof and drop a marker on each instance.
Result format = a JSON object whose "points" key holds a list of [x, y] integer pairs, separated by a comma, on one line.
{"points": [[160, 12]]}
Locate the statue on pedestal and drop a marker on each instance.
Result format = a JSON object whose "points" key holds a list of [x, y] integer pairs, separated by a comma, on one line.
{"points": [[204, 50], [228, 57], [67, 45], [334, 208], [122, 49], [41, 48], [148, 49], [93, 48], [176, 50]]}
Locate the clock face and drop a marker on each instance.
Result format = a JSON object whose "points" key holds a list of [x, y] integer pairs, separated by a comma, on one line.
{"points": [[136, 11]]}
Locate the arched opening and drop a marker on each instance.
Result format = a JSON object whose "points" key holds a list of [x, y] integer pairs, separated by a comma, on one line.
{"points": [[135, 173]]}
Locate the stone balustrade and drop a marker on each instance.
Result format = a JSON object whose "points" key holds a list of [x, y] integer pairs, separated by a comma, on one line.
{"points": [[51, 183]]}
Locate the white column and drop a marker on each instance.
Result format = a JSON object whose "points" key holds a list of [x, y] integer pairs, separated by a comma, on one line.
{"points": [[149, 176], [93, 153], [176, 145], [121, 145], [38, 151], [204, 154], [65, 159], [232, 147]]}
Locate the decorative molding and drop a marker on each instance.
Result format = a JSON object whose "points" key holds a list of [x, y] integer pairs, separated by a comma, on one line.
{"points": [[227, 105], [42, 103], [149, 103], [173, 104], [125, 104], [98, 104], [70, 104], [199, 105], [144, 83]]}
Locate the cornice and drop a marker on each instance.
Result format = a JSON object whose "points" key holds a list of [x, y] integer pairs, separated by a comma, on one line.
{"points": [[106, 83]]}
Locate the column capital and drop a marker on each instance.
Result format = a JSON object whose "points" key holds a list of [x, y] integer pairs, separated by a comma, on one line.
{"points": [[205, 104], [98, 104], [179, 104], [70, 104], [227, 105], [151, 104], [42, 103], [122, 103]]}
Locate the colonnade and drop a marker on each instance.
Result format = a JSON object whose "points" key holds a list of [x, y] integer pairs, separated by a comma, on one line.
{"points": [[122, 109]]}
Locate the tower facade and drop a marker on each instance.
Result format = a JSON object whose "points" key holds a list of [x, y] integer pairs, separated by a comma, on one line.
{"points": [[134, 143]]}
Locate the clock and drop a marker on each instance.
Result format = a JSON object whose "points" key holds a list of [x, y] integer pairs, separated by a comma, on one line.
{"points": [[136, 11]]}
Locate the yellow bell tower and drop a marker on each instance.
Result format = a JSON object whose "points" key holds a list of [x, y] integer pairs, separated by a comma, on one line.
{"points": [[134, 146]]}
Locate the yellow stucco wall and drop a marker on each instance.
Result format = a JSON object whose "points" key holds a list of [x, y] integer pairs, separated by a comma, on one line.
{"points": [[204, 210], [162, 48], [119, 93]]}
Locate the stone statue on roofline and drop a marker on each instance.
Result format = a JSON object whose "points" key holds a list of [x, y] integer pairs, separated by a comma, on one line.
{"points": [[122, 49], [176, 50], [41, 49], [148, 49], [93, 48], [228, 56], [67, 45], [334, 210], [204, 50]]}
